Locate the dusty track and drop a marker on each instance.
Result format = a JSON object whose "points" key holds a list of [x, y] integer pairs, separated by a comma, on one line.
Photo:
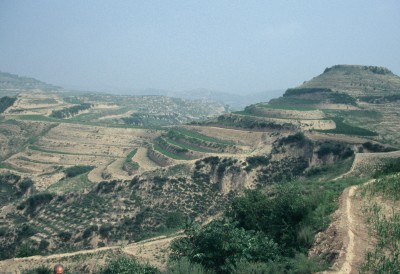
{"points": [[153, 251], [348, 235]]}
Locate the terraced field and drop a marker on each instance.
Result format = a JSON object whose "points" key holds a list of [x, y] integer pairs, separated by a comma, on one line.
{"points": [[96, 137]]}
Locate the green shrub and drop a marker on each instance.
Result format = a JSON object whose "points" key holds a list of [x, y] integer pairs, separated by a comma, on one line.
{"points": [[343, 128], [70, 111], [220, 245], [184, 266], [105, 229], [35, 201], [38, 270], [6, 102], [26, 250], [77, 170], [256, 161], [127, 265], [24, 185], [65, 236]]}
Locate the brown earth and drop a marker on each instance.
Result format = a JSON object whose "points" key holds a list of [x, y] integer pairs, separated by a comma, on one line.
{"points": [[153, 251]]}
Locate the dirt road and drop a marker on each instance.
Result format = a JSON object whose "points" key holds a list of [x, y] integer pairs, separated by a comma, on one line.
{"points": [[153, 251]]}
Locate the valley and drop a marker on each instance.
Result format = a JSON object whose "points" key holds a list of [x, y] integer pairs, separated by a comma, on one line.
{"points": [[102, 172]]}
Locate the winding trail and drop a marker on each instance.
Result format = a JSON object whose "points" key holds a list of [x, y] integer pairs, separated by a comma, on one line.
{"points": [[348, 263], [146, 250]]}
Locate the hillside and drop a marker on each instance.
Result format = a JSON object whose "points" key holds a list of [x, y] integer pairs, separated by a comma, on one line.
{"points": [[85, 171], [10, 83], [350, 100], [357, 81]]}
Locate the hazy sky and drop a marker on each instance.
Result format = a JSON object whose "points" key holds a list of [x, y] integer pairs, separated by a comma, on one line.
{"points": [[230, 46]]}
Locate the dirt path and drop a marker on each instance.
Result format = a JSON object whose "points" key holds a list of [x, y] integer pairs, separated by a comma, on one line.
{"points": [[347, 266], [153, 251], [347, 237]]}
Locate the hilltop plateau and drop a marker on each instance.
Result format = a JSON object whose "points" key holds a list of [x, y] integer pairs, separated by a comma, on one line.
{"points": [[86, 171]]}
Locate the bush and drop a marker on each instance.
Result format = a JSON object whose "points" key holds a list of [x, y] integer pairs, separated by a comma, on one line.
{"points": [[24, 185], [279, 216], [37, 200], [220, 245], [105, 230], [298, 138], [6, 102], [335, 148], [184, 266], [77, 170], [256, 161], [174, 219], [25, 250], [70, 111], [127, 265], [38, 270], [89, 231], [65, 236]]}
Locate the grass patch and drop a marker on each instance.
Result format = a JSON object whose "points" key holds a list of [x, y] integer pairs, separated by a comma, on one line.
{"points": [[71, 184], [197, 135], [161, 150], [385, 257], [77, 170], [343, 128], [186, 146], [129, 165], [289, 107]]}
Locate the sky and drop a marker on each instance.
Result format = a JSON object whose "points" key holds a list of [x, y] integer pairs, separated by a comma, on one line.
{"points": [[229, 46]]}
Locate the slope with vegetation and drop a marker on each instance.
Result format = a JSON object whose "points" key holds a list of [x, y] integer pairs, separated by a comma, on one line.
{"points": [[250, 189]]}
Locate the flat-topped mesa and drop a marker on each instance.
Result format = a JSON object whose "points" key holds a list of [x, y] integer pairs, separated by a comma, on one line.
{"points": [[349, 68], [356, 80]]}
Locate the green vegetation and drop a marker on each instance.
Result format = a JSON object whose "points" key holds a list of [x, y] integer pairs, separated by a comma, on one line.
{"points": [[293, 103], [256, 161], [6, 102], [291, 107], [303, 96], [74, 184], [219, 245], [385, 257], [273, 230], [343, 128], [377, 147], [298, 138], [199, 136], [339, 149], [35, 201], [77, 170], [127, 265], [160, 147], [129, 165], [380, 99], [302, 91], [39, 270], [70, 111], [248, 122]]}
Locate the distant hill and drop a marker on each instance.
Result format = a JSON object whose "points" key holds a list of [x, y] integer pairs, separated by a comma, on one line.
{"points": [[356, 80], [10, 81], [234, 101]]}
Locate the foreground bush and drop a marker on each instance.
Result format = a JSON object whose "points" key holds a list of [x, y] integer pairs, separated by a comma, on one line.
{"points": [[127, 265], [220, 245]]}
